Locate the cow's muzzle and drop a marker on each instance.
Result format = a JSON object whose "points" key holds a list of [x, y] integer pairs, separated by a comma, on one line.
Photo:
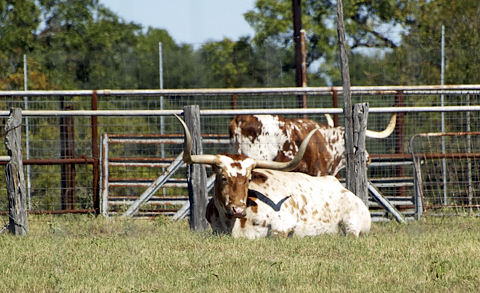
{"points": [[236, 212]]}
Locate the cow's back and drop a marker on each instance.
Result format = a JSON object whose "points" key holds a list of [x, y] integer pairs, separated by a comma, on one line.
{"points": [[301, 205], [274, 138]]}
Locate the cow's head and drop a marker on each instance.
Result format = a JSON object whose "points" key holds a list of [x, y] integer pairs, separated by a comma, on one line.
{"points": [[234, 172]]}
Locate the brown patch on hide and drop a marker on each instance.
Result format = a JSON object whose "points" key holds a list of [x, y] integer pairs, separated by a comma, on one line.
{"points": [[252, 205], [303, 211], [236, 165], [242, 222], [251, 201], [304, 199], [294, 205], [335, 138], [259, 178], [250, 126], [236, 157]]}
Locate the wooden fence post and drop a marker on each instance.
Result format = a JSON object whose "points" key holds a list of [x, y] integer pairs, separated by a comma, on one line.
{"points": [[16, 189], [347, 101], [360, 117], [196, 174]]}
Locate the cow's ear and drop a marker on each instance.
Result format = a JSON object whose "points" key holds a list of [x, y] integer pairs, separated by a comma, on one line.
{"points": [[232, 126], [259, 177], [211, 211], [216, 169]]}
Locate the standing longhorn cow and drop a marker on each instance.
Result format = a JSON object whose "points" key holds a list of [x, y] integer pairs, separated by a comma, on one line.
{"points": [[256, 198], [275, 138]]}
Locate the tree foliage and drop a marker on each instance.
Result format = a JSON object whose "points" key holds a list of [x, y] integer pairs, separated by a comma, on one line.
{"points": [[19, 20], [364, 24], [418, 59], [461, 19], [409, 55], [76, 44]]}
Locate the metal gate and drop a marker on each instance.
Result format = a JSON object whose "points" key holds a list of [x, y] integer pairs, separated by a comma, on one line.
{"points": [[158, 201], [447, 172], [153, 190]]}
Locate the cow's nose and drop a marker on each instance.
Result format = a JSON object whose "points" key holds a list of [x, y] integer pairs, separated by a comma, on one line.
{"points": [[238, 212]]}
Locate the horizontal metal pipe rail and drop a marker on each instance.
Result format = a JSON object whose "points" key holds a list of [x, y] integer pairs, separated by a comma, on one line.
{"points": [[355, 90], [55, 113], [165, 138]]}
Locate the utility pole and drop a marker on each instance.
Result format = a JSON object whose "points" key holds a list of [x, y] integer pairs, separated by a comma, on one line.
{"points": [[300, 51]]}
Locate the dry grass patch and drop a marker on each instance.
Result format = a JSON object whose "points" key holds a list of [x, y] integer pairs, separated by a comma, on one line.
{"points": [[88, 254]]}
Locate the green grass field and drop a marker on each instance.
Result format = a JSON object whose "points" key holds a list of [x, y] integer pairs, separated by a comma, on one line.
{"points": [[87, 254]]}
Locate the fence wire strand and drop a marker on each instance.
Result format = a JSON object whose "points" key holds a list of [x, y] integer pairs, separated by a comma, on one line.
{"points": [[45, 140]]}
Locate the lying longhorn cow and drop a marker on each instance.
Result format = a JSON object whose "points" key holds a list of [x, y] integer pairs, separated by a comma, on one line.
{"points": [[256, 198], [275, 138]]}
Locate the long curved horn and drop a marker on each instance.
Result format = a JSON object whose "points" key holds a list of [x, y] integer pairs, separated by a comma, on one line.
{"points": [[287, 166], [386, 132], [329, 120], [187, 153]]}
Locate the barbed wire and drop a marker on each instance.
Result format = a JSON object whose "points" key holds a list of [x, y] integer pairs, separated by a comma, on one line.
{"points": [[13, 128], [5, 226]]}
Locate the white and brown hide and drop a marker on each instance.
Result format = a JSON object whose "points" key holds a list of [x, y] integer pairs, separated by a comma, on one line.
{"points": [[282, 203], [275, 138], [256, 198]]}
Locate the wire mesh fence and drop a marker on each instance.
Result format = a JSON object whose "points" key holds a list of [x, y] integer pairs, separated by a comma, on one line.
{"points": [[448, 173], [53, 137]]}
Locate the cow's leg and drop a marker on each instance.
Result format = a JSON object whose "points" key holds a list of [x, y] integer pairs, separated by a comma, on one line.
{"points": [[351, 224]]}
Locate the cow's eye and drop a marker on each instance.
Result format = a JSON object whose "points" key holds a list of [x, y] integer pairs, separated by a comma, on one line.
{"points": [[224, 179]]}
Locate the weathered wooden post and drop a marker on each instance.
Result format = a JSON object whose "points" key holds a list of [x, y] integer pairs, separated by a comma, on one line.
{"points": [[355, 123], [347, 101], [16, 189], [360, 117], [196, 174]]}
